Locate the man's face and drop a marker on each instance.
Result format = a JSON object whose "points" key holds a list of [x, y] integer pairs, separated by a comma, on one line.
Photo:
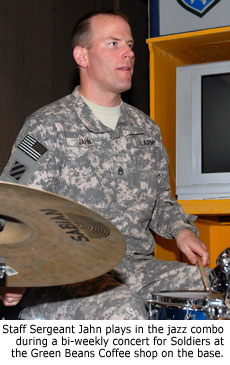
{"points": [[111, 58]]}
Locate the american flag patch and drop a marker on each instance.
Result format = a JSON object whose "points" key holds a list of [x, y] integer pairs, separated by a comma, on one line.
{"points": [[32, 148], [17, 170]]}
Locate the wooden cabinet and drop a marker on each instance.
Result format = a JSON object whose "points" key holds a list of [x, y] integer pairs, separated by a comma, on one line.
{"points": [[166, 53]]}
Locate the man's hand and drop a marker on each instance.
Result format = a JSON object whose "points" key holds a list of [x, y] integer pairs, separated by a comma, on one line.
{"points": [[11, 296], [190, 245]]}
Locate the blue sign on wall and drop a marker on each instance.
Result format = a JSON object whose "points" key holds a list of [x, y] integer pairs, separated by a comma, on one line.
{"points": [[198, 7], [178, 16]]}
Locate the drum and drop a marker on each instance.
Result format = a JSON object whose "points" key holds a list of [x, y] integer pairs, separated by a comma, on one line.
{"points": [[187, 305]]}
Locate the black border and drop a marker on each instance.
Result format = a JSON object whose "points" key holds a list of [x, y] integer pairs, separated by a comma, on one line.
{"points": [[196, 12]]}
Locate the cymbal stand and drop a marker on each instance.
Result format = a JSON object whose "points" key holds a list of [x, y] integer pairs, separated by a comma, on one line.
{"points": [[2, 267], [2, 224], [2, 259]]}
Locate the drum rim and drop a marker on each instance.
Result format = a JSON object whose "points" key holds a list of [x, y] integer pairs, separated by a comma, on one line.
{"points": [[160, 298]]}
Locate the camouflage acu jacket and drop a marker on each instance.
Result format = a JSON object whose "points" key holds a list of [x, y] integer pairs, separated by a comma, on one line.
{"points": [[121, 174]]}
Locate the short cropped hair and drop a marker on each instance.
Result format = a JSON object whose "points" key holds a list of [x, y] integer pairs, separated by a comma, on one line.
{"points": [[81, 34]]}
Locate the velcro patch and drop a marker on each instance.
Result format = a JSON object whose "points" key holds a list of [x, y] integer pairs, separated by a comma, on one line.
{"points": [[17, 170], [32, 148]]}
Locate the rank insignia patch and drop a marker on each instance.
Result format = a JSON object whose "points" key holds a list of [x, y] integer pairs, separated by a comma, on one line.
{"points": [[198, 7], [32, 148], [17, 170]]}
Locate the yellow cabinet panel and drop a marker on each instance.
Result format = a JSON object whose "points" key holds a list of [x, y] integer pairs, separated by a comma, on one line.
{"points": [[166, 53]]}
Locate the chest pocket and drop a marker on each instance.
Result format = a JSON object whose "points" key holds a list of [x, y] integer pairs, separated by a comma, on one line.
{"points": [[139, 182], [88, 174]]}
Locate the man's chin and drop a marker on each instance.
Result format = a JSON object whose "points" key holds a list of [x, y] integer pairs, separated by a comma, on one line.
{"points": [[125, 88]]}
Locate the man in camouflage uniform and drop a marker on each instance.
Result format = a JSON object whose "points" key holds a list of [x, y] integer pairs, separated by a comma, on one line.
{"points": [[118, 168]]}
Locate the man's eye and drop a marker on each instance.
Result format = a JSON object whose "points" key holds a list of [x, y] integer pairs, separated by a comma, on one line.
{"points": [[113, 43]]}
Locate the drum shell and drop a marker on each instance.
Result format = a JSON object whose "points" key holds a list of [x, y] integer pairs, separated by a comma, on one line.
{"points": [[187, 305]]}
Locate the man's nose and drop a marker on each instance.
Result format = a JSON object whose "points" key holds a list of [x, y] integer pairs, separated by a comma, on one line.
{"points": [[128, 52]]}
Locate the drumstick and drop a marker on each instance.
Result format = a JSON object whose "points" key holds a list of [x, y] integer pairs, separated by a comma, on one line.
{"points": [[203, 274]]}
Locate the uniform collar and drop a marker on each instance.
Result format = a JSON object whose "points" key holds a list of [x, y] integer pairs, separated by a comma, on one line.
{"points": [[126, 125]]}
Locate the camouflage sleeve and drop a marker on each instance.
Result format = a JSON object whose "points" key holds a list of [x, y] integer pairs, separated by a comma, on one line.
{"points": [[36, 155], [168, 217]]}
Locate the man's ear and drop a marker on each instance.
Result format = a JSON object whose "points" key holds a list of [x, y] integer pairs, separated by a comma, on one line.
{"points": [[80, 56]]}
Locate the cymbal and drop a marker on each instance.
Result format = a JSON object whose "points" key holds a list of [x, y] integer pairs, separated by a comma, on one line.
{"points": [[49, 240]]}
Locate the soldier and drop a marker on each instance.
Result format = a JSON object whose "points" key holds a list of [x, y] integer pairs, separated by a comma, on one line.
{"points": [[107, 155]]}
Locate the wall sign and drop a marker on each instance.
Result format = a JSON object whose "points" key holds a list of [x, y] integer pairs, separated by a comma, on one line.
{"points": [[198, 7]]}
